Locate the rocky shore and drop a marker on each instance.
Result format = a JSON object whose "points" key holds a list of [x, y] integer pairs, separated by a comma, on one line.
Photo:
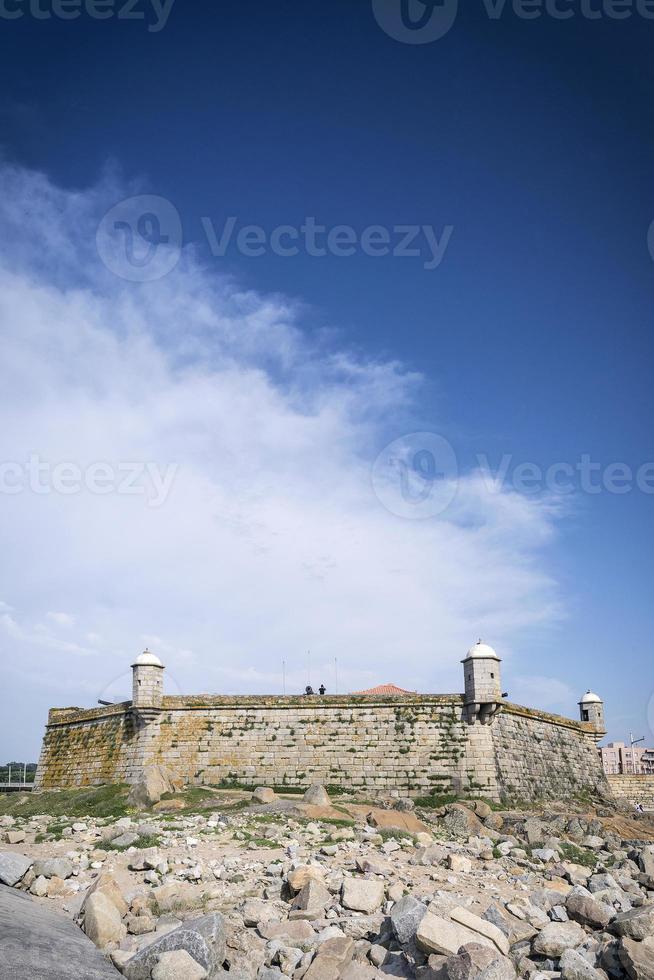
{"points": [[263, 887]]}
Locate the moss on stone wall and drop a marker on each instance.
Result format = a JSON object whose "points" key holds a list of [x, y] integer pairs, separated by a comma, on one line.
{"points": [[417, 745]]}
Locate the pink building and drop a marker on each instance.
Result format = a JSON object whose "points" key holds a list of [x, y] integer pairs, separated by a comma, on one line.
{"points": [[620, 759]]}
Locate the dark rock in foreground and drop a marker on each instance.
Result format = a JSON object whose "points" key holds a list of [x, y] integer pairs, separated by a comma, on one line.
{"points": [[37, 944]]}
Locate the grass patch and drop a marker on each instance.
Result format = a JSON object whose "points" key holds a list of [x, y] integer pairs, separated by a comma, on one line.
{"points": [[578, 855], [96, 801], [141, 844], [395, 833], [261, 841]]}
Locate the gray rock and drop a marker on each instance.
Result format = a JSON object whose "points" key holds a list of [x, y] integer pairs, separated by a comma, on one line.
{"points": [[646, 861], [58, 867], [637, 958], [556, 937], [38, 944], [362, 895], [153, 783], [178, 965], [406, 916], [203, 939], [462, 822], [574, 966], [475, 962], [404, 804], [102, 922], [313, 899], [264, 794], [588, 911], [534, 831], [600, 882], [125, 840], [317, 795], [13, 867], [636, 924]]}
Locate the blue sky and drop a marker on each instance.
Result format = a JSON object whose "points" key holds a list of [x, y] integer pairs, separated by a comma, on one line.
{"points": [[532, 140]]}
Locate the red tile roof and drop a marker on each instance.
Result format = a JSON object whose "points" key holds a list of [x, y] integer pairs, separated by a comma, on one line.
{"points": [[390, 690]]}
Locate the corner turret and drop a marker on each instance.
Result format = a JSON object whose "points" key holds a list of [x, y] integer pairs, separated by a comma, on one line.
{"points": [[591, 709], [483, 685], [147, 683]]}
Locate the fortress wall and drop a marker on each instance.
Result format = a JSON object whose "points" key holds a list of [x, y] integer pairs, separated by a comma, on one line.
{"points": [[85, 747], [539, 755], [417, 745], [633, 789], [414, 745]]}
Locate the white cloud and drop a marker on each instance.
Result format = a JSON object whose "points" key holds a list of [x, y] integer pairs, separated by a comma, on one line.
{"points": [[271, 540], [62, 619]]}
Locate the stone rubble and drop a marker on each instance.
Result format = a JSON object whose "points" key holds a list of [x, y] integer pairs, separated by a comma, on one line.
{"points": [[272, 890]]}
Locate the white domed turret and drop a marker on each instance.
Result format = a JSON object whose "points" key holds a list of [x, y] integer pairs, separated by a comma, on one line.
{"points": [[591, 709], [147, 681], [483, 684], [481, 651], [147, 659]]}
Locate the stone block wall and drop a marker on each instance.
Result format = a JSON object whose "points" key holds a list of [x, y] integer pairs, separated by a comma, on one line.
{"points": [[633, 789], [86, 747], [542, 755], [415, 745], [418, 745]]}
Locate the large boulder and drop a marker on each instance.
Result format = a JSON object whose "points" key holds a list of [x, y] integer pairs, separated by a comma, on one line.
{"points": [[57, 867], [298, 877], [203, 939], [588, 911], [574, 966], [637, 958], [362, 895], [483, 927], [646, 861], [406, 916], [317, 795], [39, 944], [474, 962], [636, 924], [13, 867], [312, 899], [106, 885], [462, 822], [102, 922], [556, 937], [436, 934], [178, 965], [263, 794], [152, 784]]}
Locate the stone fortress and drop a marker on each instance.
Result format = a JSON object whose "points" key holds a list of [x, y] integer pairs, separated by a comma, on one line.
{"points": [[414, 744]]}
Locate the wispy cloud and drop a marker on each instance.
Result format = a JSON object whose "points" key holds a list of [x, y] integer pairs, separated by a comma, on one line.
{"points": [[271, 540]]}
